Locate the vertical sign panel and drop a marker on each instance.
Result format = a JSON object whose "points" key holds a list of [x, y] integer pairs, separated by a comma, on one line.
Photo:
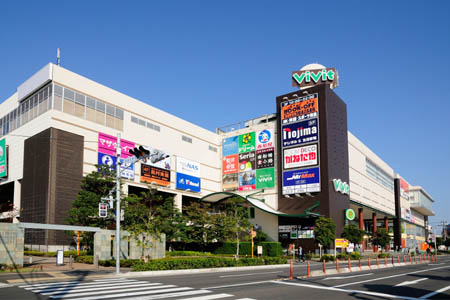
{"points": [[3, 162]]}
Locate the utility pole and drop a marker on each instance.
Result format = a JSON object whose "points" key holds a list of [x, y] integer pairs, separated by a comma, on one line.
{"points": [[118, 152]]}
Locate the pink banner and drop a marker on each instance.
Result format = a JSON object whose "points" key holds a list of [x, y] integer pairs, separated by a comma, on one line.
{"points": [[107, 144]]}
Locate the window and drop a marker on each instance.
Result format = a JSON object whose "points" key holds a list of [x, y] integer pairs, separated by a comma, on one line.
{"points": [[134, 119], [375, 172], [141, 122], [211, 148], [100, 112], [68, 103], [186, 139]]}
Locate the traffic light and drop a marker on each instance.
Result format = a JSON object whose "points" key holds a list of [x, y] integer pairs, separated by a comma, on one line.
{"points": [[141, 153], [102, 210]]}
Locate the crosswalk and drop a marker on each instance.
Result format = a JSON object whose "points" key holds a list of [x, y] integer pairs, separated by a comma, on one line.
{"points": [[123, 289]]}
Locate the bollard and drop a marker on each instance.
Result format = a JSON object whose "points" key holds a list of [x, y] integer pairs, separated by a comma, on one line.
{"points": [[392, 261], [420, 258], [404, 259], [337, 265], [435, 258], [415, 259], [41, 267], [378, 263], [96, 261], [70, 261], [309, 270], [349, 265], [368, 262], [385, 261], [30, 260], [410, 259], [398, 259], [359, 264], [324, 270], [291, 276]]}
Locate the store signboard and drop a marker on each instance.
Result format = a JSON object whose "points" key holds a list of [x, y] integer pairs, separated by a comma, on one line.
{"points": [[265, 178], [155, 175], [247, 161], [127, 170], [284, 228], [299, 109], [230, 146], [404, 189], [307, 78], [265, 139], [247, 180], [230, 182], [300, 156], [107, 144], [187, 182], [265, 158], [301, 181], [188, 167], [230, 164], [3, 161], [247, 142], [300, 133]]}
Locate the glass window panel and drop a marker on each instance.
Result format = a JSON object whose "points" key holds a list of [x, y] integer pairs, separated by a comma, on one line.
{"points": [[41, 96], [100, 106], [68, 106], [119, 124], [141, 122], [45, 92], [43, 106], [58, 103], [134, 119], [80, 99], [119, 113], [149, 125], [110, 120], [90, 102], [90, 114], [100, 117], [69, 94], [58, 90], [157, 128], [79, 110], [110, 110]]}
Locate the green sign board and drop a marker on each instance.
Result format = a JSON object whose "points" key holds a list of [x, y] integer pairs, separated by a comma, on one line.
{"points": [[247, 142], [265, 178], [341, 187], [3, 165], [350, 214]]}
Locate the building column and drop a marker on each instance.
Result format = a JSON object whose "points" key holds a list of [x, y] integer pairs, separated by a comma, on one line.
{"points": [[374, 224], [386, 225], [361, 224]]}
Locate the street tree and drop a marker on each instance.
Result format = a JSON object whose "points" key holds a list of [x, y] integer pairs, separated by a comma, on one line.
{"points": [[353, 233], [324, 231], [382, 238]]}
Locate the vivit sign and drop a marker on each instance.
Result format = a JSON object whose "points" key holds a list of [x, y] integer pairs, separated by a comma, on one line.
{"points": [[309, 78]]}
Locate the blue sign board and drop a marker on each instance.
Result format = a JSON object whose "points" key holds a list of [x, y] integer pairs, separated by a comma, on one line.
{"points": [[301, 181], [300, 133], [110, 160], [230, 145], [185, 182]]}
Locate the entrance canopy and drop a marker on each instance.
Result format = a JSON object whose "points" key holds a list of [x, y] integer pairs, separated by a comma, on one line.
{"points": [[255, 202]]}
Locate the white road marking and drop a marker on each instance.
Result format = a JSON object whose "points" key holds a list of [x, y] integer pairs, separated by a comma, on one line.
{"points": [[73, 283], [345, 277], [435, 293], [162, 296], [411, 282], [238, 284], [392, 276], [249, 274], [88, 289], [436, 264], [210, 297], [53, 283]]}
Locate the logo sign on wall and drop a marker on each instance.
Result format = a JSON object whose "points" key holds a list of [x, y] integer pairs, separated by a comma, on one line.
{"points": [[301, 181], [247, 161], [300, 156], [188, 175], [300, 133], [247, 142], [314, 77], [230, 146], [300, 109], [350, 214], [155, 175], [264, 139], [265, 158], [230, 164], [404, 189], [230, 182], [107, 144], [341, 186], [127, 171], [265, 178], [3, 162], [247, 180]]}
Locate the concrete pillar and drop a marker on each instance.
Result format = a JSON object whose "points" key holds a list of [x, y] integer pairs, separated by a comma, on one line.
{"points": [[386, 225], [361, 224], [374, 223]]}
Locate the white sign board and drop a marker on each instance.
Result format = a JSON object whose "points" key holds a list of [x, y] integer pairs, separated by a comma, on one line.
{"points": [[188, 167], [260, 250], [300, 156], [59, 257]]}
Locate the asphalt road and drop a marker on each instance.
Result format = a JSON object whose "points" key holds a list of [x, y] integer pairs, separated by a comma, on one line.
{"points": [[425, 281]]}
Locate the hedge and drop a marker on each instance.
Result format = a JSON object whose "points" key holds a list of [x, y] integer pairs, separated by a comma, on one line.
{"points": [[204, 262], [272, 249], [188, 253], [53, 254], [88, 259]]}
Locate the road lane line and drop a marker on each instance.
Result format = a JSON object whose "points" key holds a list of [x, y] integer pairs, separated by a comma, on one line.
{"points": [[392, 276], [345, 277], [89, 289], [57, 285], [249, 274], [411, 282], [238, 284], [209, 297], [435, 293]]}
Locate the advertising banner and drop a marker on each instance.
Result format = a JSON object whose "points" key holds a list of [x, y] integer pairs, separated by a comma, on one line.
{"points": [[247, 161], [127, 171], [188, 167], [301, 181], [247, 142], [107, 144], [247, 180], [3, 162], [300, 109], [265, 178], [230, 164], [265, 139], [230, 182], [187, 182], [155, 175], [158, 158], [265, 158], [300, 133], [404, 189], [230, 145], [300, 156]]}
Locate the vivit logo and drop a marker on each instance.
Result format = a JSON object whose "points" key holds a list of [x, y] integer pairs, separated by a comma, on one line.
{"points": [[341, 187], [312, 77]]}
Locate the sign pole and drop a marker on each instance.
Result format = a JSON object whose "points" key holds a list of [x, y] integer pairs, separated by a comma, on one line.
{"points": [[118, 151]]}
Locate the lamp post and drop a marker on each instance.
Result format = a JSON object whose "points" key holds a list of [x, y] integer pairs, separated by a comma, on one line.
{"points": [[118, 151]]}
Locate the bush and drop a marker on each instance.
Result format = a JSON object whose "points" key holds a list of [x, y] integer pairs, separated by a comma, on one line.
{"points": [[342, 256], [383, 255], [272, 249], [85, 259], [327, 257], [53, 254], [245, 248], [188, 253], [355, 255]]}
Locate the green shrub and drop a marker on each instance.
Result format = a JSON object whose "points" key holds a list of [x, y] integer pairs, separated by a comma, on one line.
{"points": [[53, 254], [342, 256], [85, 259], [272, 249], [383, 255], [327, 257], [245, 248], [188, 253], [355, 255]]}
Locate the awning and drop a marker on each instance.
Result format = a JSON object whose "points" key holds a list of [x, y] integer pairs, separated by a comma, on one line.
{"points": [[255, 202]]}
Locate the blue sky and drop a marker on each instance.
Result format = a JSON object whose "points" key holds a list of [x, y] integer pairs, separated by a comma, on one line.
{"points": [[216, 63]]}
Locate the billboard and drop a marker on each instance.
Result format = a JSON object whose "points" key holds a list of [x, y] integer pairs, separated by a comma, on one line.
{"points": [[265, 139], [300, 133], [300, 109], [404, 189], [265, 158], [230, 164], [301, 181], [3, 161], [300, 156], [107, 144], [230, 182], [265, 178], [247, 180], [155, 175], [247, 161], [230, 146], [247, 142], [188, 175], [127, 171]]}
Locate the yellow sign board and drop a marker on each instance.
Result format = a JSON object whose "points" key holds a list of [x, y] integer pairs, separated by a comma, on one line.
{"points": [[341, 243]]}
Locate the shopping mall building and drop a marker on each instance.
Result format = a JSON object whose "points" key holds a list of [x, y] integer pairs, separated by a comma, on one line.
{"points": [[290, 166]]}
